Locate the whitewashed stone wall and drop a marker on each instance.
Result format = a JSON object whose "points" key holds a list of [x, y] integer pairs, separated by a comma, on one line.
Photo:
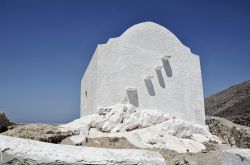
{"points": [[148, 67]]}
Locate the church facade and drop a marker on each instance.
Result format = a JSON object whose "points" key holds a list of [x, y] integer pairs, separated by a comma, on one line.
{"points": [[149, 68]]}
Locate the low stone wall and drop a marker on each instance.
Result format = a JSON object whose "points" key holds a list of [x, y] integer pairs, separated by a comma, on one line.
{"points": [[236, 157], [233, 134]]}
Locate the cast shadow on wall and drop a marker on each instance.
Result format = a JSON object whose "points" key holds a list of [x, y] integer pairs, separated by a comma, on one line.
{"points": [[160, 77], [150, 87], [133, 96], [167, 67]]}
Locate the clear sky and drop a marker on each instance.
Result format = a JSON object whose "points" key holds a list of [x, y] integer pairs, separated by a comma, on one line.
{"points": [[46, 45]]}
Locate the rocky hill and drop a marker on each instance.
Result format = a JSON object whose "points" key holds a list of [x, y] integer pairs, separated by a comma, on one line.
{"points": [[4, 122], [232, 104]]}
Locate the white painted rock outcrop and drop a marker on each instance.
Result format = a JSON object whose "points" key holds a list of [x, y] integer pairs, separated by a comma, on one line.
{"points": [[47, 152], [143, 128], [236, 157]]}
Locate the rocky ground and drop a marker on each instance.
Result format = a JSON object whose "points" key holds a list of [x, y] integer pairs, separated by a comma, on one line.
{"points": [[232, 134], [52, 134], [211, 156], [41, 132], [232, 104], [104, 142]]}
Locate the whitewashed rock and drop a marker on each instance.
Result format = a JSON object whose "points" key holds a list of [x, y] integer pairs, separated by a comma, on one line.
{"points": [[150, 117], [143, 128], [78, 139], [236, 157], [47, 152], [79, 125], [163, 140], [183, 129]]}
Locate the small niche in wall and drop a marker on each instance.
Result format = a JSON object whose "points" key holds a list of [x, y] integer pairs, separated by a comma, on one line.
{"points": [[132, 96], [165, 58], [86, 94]]}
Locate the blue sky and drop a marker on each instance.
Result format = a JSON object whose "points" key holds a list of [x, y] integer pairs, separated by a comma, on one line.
{"points": [[46, 45]]}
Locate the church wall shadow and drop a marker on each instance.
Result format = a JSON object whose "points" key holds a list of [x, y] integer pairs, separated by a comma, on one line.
{"points": [[133, 97], [160, 78], [150, 87], [167, 67]]}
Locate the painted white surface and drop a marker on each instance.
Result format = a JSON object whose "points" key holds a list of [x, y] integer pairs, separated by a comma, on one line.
{"points": [[88, 87], [146, 128], [47, 152], [130, 69], [236, 157]]}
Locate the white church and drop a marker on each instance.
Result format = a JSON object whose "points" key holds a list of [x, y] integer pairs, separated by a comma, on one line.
{"points": [[149, 68]]}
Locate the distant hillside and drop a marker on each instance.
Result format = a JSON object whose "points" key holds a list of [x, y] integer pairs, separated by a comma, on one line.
{"points": [[232, 104]]}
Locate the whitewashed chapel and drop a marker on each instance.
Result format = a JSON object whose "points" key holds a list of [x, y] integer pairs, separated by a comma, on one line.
{"points": [[149, 68]]}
